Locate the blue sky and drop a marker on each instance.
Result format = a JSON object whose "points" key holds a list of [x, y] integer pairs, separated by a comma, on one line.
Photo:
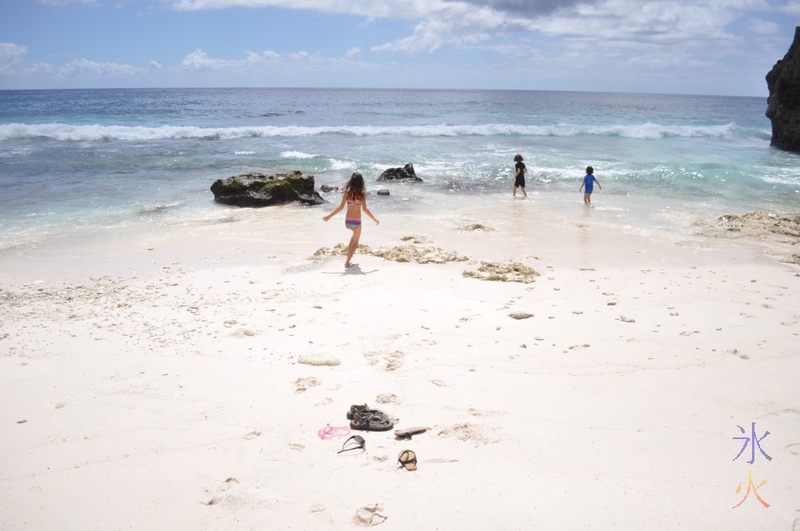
{"points": [[720, 47]]}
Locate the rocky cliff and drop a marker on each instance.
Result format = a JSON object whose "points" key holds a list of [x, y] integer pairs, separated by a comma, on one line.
{"points": [[783, 106]]}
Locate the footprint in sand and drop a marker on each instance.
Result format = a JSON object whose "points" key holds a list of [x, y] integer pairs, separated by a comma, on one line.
{"points": [[386, 398], [466, 432], [380, 454], [319, 360], [390, 362], [576, 347], [301, 385], [416, 239], [479, 413], [218, 498], [368, 515], [736, 352]]}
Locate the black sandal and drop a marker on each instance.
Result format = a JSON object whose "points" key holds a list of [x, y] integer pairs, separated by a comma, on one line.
{"points": [[372, 421], [407, 459]]}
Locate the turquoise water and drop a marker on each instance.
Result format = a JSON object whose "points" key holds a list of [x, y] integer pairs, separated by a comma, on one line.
{"points": [[106, 158]]}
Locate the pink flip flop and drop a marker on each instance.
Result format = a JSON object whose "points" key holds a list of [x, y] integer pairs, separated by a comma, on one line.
{"points": [[329, 432]]}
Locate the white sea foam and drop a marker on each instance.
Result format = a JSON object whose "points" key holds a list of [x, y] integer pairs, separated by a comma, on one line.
{"points": [[337, 165], [790, 179], [244, 153], [83, 133], [296, 155]]}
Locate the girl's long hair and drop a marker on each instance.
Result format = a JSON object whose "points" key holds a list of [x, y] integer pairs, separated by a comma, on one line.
{"points": [[355, 188]]}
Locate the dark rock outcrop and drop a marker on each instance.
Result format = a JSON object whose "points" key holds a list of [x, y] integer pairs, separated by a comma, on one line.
{"points": [[406, 173], [259, 190], [783, 106]]}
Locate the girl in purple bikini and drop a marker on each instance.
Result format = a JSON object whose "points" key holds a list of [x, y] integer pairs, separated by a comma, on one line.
{"points": [[355, 196]]}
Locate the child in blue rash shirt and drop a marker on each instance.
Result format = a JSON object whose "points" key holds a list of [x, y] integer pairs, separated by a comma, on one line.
{"points": [[588, 185]]}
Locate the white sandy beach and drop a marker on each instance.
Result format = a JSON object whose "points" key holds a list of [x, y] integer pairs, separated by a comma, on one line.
{"points": [[160, 381]]}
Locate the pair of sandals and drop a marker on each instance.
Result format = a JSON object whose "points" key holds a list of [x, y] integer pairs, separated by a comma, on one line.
{"points": [[363, 418]]}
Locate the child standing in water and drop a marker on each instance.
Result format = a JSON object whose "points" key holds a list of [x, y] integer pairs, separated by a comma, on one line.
{"points": [[355, 196], [519, 176], [588, 184]]}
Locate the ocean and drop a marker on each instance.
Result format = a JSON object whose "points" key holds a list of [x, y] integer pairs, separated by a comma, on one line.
{"points": [[74, 162]]}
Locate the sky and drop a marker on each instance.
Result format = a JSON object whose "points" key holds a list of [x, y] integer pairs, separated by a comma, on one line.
{"points": [[714, 47]]}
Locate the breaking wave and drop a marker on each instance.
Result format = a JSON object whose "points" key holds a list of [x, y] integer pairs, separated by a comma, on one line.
{"points": [[86, 133]]}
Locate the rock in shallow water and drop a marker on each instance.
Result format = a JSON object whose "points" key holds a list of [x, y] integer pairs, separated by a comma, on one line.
{"points": [[406, 173], [259, 190]]}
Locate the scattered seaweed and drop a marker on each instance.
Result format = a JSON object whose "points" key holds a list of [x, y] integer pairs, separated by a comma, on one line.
{"points": [[503, 272], [476, 227], [400, 253], [758, 223]]}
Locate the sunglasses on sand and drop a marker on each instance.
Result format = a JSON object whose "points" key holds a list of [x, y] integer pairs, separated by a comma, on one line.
{"points": [[355, 442]]}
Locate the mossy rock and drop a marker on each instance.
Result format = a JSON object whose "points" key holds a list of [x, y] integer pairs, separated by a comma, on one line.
{"points": [[259, 190]]}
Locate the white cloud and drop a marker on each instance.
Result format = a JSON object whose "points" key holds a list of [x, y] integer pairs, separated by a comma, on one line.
{"points": [[528, 8], [85, 66], [156, 64], [68, 2], [352, 52], [397, 9], [658, 22], [762, 27], [791, 8], [457, 23], [253, 62], [199, 60], [11, 54], [467, 23]]}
